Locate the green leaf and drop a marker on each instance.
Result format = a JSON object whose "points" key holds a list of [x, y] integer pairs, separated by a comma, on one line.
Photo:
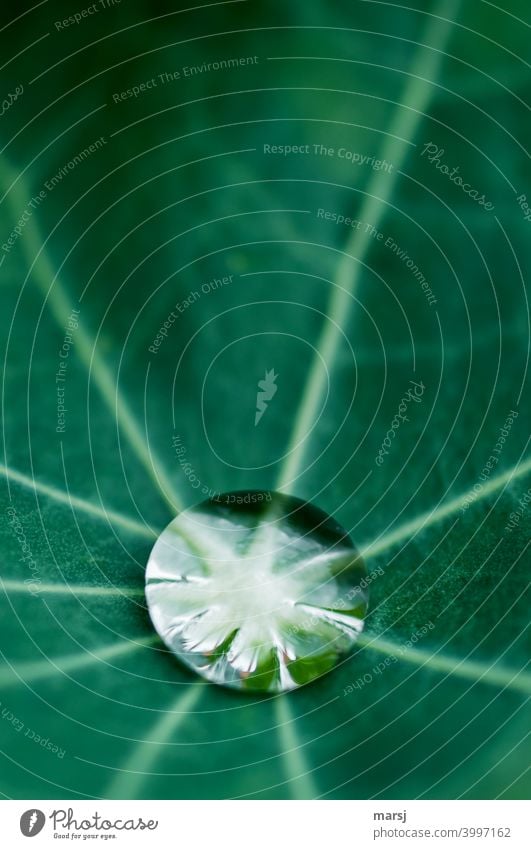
{"points": [[182, 209]]}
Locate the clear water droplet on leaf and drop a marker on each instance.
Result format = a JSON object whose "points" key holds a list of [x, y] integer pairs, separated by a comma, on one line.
{"points": [[257, 590]]}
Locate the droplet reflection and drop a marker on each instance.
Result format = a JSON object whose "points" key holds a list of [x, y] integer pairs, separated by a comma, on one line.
{"points": [[256, 590]]}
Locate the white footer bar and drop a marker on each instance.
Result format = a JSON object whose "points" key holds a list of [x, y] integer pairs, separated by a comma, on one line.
{"points": [[266, 824]]}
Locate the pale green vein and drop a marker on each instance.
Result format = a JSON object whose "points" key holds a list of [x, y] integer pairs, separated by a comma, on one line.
{"points": [[405, 531], [60, 304], [30, 671], [296, 767], [78, 503], [431, 517], [405, 122], [36, 588], [127, 783], [482, 673]]}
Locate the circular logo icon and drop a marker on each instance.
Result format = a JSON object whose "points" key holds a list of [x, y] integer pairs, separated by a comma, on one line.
{"points": [[32, 822]]}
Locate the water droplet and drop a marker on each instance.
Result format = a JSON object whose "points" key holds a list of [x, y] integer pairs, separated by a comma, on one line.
{"points": [[256, 590]]}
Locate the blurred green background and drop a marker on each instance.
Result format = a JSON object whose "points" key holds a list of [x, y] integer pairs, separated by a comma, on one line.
{"points": [[181, 189]]}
